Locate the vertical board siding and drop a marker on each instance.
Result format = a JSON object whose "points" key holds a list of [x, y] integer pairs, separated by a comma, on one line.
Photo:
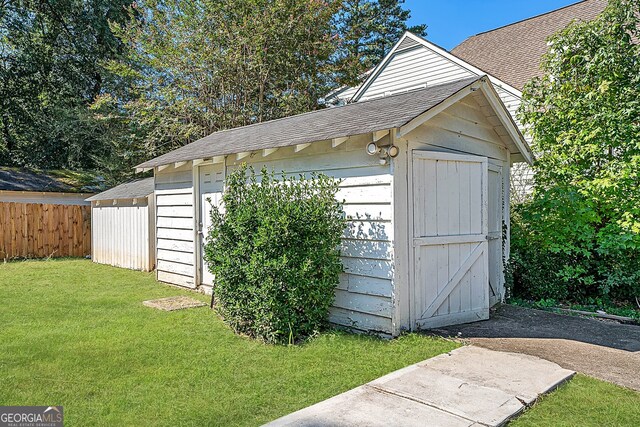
{"points": [[411, 68], [121, 235], [364, 295], [174, 226], [32, 230]]}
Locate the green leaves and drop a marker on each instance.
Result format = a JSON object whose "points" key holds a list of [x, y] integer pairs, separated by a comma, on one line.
{"points": [[273, 248], [584, 116]]}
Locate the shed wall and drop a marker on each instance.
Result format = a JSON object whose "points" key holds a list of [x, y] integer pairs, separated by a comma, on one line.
{"points": [[463, 129], [174, 226], [364, 295], [122, 233]]}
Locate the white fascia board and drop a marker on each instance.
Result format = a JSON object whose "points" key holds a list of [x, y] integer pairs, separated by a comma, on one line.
{"points": [[507, 121]]}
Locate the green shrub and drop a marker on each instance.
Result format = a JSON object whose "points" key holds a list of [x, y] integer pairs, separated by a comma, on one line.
{"points": [[579, 236], [274, 251], [562, 248]]}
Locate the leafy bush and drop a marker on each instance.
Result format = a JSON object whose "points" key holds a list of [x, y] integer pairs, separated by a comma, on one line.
{"points": [[579, 236], [273, 249], [560, 250]]}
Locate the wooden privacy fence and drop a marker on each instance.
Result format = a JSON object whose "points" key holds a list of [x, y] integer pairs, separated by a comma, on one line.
{"points": [[31, 230]]}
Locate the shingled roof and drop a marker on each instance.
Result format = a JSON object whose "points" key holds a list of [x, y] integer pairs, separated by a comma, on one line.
{"points": [[348, 120], [129, 190], [60, 181], [512, 53]]}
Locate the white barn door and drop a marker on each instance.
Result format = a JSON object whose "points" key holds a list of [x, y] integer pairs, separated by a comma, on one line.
{"points": [[450, 231], [211, 186]]}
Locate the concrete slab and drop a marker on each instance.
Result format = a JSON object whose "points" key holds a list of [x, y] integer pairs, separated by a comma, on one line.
{"points": [[486, 405], [523, 376], [174, 303], [469, 386], [366, 406]]}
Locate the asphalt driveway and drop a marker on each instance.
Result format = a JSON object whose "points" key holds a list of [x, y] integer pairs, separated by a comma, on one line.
{"points": [[602, 349]]}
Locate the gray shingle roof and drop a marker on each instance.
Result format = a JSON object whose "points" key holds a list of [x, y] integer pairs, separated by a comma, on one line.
{"points": [[128, 190], [61, 181], [512, 53], [352, 119]]}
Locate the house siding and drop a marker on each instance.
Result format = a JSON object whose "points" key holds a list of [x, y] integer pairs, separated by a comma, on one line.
{"points": [[408, 69]]}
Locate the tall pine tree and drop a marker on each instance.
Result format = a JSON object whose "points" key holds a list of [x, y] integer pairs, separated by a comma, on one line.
{"points": [[367, 29]]}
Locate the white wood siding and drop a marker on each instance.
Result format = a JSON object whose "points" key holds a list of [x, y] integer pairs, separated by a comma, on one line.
{"points": [[174, 226], [122, 233], [364, 296], [409, 69]]}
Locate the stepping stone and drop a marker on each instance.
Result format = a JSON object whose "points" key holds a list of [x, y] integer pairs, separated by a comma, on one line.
{"points": [[174, 303]]}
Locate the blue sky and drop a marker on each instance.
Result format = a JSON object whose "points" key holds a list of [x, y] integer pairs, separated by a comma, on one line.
{"points": [[451, 21]]}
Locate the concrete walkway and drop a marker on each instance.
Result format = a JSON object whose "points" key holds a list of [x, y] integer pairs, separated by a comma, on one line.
{"points": [[602, 349], [470, 386]]}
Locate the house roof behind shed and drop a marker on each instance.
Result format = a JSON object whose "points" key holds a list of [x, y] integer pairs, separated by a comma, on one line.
{"points": [[348, 120], [129, 190], [512, 53], [58, 181]]}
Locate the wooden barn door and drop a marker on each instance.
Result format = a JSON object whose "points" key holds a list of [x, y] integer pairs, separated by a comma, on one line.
{"points": [[450, 231], [211, 186]]}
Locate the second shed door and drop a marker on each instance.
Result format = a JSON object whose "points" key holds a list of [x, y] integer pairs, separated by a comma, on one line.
{"points": [[450, 248]]}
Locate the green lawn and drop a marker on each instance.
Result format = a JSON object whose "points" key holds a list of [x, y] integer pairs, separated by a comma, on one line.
{"points": [[584, 401], [76, 334]]}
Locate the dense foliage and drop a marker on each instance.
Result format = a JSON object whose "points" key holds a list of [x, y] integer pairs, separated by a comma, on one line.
{"points": [[579, 236], [273, 248], [107, 84], [51, 56]]}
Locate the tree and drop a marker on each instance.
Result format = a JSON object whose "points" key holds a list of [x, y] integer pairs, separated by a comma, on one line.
{"points": [[584, 115], [196, 67], [367, 30], [51, 55]]}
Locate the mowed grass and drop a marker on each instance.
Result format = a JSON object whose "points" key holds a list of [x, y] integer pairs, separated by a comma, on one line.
{"points": [[584, 401], [76, 334]]}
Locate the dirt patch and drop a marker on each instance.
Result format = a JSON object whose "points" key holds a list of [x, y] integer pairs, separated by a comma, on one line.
{"points": [[605, 350], [174, 303]]}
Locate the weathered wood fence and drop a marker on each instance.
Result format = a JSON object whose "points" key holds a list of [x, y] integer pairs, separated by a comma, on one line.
{"points": [[31, 230]]}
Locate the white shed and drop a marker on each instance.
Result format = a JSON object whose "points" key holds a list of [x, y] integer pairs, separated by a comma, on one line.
{"points": [[122, 229], [425, 179]]}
